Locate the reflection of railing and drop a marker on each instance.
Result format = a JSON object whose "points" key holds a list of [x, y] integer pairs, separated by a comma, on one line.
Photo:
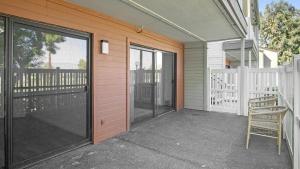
{"points": [[32, 82], [37, 89], [143, 85]]}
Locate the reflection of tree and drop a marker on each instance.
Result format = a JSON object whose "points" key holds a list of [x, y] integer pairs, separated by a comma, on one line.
{"points": [[50, 42], [28, 47], [82, 64]]}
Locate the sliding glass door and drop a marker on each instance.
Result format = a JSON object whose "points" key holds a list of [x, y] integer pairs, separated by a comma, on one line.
{"points": [[151, 83], [46, 106], [2, 138], [141, 68], [49, 78], [164, 82]]}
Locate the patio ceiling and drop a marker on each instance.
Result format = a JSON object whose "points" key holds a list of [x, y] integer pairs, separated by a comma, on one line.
{"points": [[185, 21], [235, 55], [233, 50]]}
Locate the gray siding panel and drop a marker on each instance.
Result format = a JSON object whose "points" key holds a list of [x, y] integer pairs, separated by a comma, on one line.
{"points": [[215, 55], [194, 69]]}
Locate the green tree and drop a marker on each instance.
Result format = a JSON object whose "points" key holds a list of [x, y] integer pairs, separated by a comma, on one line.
{"points": [[28, 48], [50, 42], [280, 30], [82, 64]]}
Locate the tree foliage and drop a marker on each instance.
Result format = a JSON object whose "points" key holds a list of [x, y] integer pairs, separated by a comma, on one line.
{"points": [[82, 64], [280, 30], [30, 46], [50, 42]]}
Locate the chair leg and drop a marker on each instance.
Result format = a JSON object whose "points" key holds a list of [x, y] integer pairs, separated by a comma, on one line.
{"points": [[248, 136], [279, 139]]}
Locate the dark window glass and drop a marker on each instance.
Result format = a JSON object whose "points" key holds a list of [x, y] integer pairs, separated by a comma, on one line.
{"points": [[1, 93], [49, 75], [152, 83], [165, 82], [141, 85]]}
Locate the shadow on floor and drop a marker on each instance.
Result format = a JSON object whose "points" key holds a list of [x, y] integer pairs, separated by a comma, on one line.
{"points": [[179, 140]]}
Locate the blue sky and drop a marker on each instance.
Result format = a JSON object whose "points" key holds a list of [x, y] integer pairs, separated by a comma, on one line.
{"points": [[263, 3]]}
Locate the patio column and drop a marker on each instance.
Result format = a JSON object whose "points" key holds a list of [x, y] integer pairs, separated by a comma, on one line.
{"points": [[242, 52], [250, 59], [243, 83]]}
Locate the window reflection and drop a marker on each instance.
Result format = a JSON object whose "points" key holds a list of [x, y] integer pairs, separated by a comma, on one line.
{"points": [[49, 91], [1, 93]]}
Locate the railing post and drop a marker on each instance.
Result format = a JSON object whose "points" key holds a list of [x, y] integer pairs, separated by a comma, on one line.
{"points": [[208, 86], [296, 140], [57, 86]]}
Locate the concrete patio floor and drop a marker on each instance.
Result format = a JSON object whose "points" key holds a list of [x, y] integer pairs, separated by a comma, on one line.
{"points": [[179, 140]]}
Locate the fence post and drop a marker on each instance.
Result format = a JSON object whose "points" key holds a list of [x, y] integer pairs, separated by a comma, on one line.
{"points": [[208, 86], [239, 75], [246, 92], [296, 117]]}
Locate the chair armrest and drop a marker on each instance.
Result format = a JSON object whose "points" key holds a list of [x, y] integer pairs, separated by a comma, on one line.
{"points": [[268, 110]]}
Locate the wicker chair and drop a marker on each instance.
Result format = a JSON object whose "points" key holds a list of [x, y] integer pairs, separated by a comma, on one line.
{"points": [[262, 102], [267, 122]]}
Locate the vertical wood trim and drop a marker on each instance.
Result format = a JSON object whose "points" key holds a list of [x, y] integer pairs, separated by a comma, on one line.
{"points": [[92, 53], [127, 84]]}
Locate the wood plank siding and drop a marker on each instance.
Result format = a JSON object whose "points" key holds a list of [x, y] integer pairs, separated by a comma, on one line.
{"points": [[110, 75], [215, 55], [194, 75]]}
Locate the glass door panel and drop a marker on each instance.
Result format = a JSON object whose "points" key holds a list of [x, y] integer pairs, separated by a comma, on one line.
{"points": [[141, 84], [50, 79], [164, 78], [2, 34], [152, 83]]}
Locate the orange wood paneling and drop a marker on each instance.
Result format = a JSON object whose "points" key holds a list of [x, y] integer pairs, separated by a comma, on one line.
{"points": [[110, 90]]}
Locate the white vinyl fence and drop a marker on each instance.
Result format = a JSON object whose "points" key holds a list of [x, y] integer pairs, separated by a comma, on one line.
{"points": [[286, 98], [224, 87], [224, 94], [284, 82], [296, 110], [262, 82]]}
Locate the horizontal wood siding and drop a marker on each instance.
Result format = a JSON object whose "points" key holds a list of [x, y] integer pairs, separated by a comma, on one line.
{"points": [[109, 71], [215, 55], [194, 75]]}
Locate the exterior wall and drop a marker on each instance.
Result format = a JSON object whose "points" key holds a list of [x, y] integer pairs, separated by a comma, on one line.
{"points": [[194, 75], [215, 55], [268, 58], [110, 75]]}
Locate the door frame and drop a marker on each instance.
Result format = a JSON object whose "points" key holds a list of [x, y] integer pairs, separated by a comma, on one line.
{"points": [[9, 22], [142, 48]]}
